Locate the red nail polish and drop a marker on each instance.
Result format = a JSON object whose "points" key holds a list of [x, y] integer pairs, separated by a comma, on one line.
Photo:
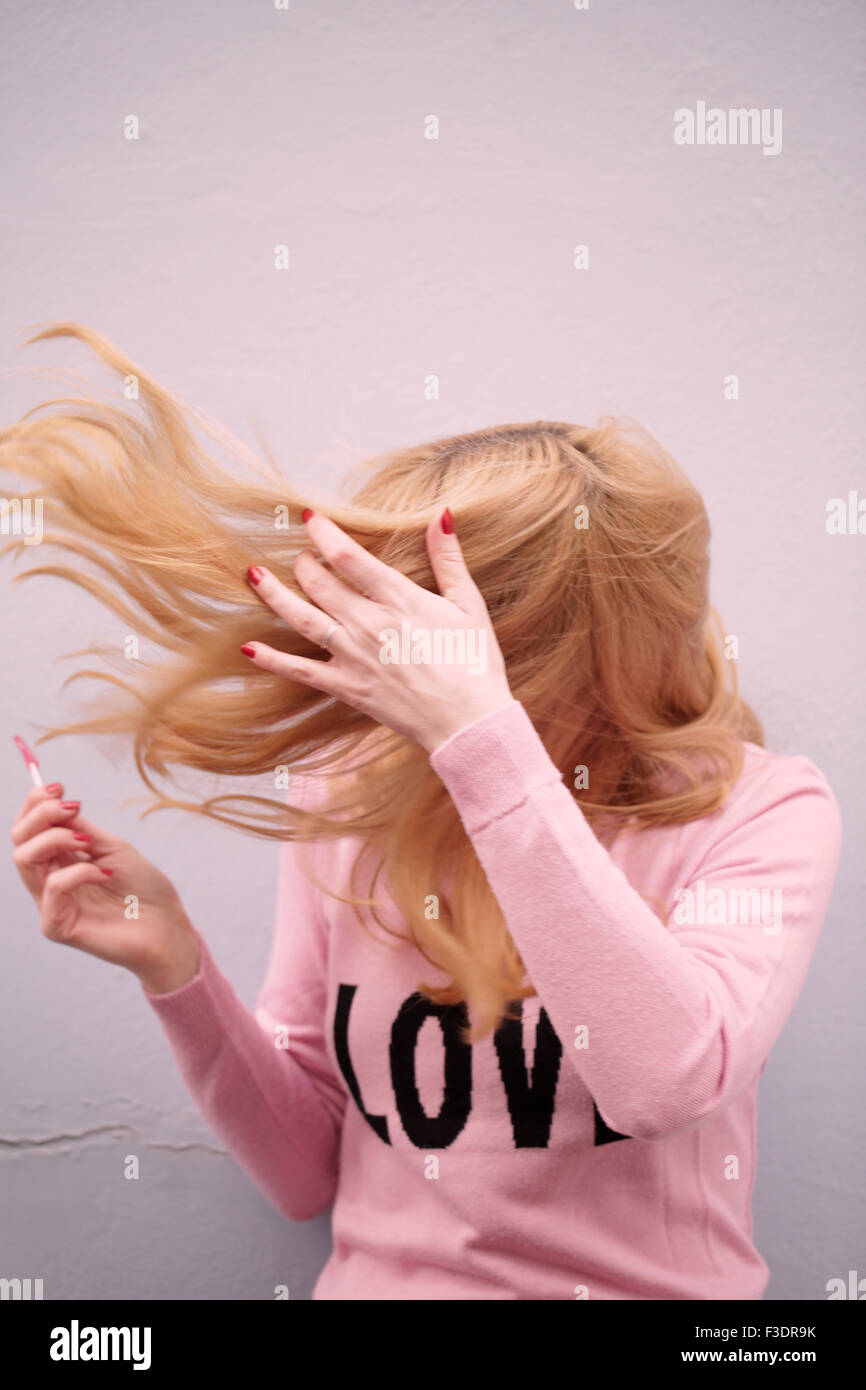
{"points": [[248, 650], [307, 513], [70, 805], [255, 575], [82, 837], [107, 872], [447, 523], [54, 788]]}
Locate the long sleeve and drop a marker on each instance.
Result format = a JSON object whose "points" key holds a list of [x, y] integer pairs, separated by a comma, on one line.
{"points": [[262, 1079], [680, 1017]]}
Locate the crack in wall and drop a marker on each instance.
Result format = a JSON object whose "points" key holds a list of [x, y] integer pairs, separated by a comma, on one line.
{"points": [[23, 1144]]}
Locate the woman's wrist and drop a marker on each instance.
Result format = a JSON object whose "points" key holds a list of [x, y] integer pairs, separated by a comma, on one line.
{"points": [[433, 738], [177, 965]]}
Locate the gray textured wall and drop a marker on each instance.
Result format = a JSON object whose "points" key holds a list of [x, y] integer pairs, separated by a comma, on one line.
{"points": [[410, 257]]}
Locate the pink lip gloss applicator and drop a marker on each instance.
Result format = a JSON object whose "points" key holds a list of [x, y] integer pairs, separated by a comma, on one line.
{"points": [[30, 759]]}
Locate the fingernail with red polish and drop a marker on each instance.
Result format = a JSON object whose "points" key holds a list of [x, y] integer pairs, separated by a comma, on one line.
{"points": [[70, 805], [248, 650], [54, 788], [307, 513], [255, 575], [82, 837], [447, 523], [107, 872]]}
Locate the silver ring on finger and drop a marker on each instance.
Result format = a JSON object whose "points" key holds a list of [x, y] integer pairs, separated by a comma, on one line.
{"points": [[326, 640]]}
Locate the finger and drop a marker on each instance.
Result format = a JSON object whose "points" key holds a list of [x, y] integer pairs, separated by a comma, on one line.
{"points": [[371, 577], [449, 567], [101, 840], [42, 849], [319, 674], [58, 909], [330, 595], [48, 811], [37, 794], [311, 622]]}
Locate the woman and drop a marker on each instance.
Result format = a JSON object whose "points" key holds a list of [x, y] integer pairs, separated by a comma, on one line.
{"points": [[545, 900]]}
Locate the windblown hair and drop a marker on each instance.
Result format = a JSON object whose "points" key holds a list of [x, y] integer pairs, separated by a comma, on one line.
{"points": [[589, 545]]}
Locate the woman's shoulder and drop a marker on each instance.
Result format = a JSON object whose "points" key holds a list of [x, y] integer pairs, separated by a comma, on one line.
{"points": [[767, 771], [764, 777], [782, 786]]}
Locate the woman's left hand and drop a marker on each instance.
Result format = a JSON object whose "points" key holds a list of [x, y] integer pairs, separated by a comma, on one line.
{"points": [[423, 664]]}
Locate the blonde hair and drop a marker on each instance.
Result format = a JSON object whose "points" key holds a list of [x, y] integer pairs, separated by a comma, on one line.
{"points": [[589, 545]]}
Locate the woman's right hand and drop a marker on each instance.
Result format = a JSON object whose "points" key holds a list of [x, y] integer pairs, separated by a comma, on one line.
{"points": [[97, 893]]}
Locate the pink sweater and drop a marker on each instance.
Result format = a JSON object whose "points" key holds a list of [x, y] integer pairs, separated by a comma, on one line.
{"points": [[604, 1146]]}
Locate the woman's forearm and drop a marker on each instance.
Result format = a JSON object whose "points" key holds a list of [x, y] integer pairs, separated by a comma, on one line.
{"points": [[664, 1023], [254, 1093]]}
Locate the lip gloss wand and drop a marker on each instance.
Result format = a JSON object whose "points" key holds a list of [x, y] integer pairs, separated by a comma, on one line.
{"points": [[30, 759]]}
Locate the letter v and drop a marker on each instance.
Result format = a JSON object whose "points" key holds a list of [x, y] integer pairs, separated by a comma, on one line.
{"points": [[530, 1103]]}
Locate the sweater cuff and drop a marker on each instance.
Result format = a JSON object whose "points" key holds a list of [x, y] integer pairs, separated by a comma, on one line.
{"points": [[493, 764], [201, 1000]]}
